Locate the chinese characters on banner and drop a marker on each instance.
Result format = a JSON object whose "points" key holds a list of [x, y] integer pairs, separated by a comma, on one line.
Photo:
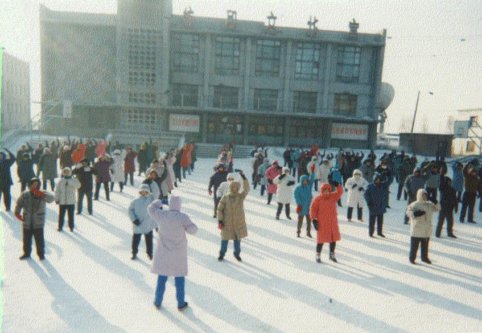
{"points": [[184, 123], [349, 131]]}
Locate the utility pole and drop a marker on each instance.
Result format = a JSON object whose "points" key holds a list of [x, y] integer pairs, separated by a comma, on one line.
{"points": [[415, 113]]}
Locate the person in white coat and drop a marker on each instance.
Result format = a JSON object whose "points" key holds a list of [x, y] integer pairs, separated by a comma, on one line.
{"points": [[355, 186], [324, 171], [142, 223], [117, 170], [313, 167], [65, 197], [170, 257], [224, 186], [420, 213], [284, 192]]}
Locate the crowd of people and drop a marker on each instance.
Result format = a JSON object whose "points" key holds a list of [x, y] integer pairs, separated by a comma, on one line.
{"points": [[314, 180]]}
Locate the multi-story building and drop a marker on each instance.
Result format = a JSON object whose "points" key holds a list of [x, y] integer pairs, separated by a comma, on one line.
{"points": [[15, 94], [219, 80]]}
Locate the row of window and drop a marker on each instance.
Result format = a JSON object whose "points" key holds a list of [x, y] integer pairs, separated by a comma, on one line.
{"points": [[264, 99], [185, 57]]}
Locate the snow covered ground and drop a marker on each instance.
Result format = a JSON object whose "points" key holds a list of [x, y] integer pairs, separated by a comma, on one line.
{"points": [[89, 284]]}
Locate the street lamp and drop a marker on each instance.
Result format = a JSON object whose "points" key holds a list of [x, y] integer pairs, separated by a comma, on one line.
{"points": [[416, 108]]}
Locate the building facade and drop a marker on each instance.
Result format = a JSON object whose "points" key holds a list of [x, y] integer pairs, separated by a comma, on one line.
{"points": [[217, 80], [468, 132], [15, 94]]}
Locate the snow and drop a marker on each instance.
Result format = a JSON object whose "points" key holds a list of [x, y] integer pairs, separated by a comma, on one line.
{"points": [[89, 284]]}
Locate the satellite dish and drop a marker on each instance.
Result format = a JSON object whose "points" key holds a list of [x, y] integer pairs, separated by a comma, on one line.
{"points": [[387, 93]]}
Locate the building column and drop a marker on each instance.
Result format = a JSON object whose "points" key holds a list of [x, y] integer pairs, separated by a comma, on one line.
{"points": [[245, 129], [247, 70], [372, 135], [207, 69], [204, 128], [326, 80], [287, 68], [327, 124], [286, 131]]}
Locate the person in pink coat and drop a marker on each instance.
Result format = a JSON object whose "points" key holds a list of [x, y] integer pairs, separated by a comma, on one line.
{"points": [[271, 173], [325, 220], [170, 256]]}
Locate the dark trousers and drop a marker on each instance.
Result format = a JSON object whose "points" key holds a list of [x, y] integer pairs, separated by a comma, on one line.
{"points": [[319, 247], [400, 190], [131, 178], [280, 208], [294, 171], [161, 288], [308, 223], [371, 225], [184, 172], [444, 214], [359, 211], [414, 242], [52, 184], [80, 200], [70, 212], [224, 247], [468, 201], [121, 186], [432, 194], [106, 188], [270, 197], [7, 197], [216, 203], [263, 188], [316, 185], [136, 239], [38, 234]]}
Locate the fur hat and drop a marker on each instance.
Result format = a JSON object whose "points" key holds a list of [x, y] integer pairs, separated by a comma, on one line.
{"points": [[144, 188]]}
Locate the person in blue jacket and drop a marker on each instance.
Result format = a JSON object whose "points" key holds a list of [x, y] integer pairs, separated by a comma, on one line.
{"points": [[377, 206], [295, 156], [303, 197], [335, 176]]}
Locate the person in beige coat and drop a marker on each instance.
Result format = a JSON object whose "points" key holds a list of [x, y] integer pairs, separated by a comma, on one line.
{"points": [[420, 213], [231, 217]]}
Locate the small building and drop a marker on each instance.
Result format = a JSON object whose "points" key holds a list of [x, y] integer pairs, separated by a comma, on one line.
{"points": [[15, 95], [468, 132], [427, 144]]}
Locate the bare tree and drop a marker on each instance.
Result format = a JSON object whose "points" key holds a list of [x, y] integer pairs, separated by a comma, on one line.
{"points": [[404, 124], [425, 125]]}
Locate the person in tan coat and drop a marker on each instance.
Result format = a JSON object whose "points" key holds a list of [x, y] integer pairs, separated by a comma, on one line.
{"points": [[231, 217], [420, 213]]}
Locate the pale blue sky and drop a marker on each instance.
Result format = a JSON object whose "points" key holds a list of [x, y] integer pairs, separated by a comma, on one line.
{"points": [[425, 51]]}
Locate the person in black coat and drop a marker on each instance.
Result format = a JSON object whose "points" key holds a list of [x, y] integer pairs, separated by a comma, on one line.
{"points": [[6, 162], [25, 170], [85, 174], [448, 202], [216, 179]]}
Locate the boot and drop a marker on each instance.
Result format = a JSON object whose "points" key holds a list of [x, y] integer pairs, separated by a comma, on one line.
{"points": [[298, 234], [332, 257], [134, 256], [221, 257], [308, 234], [318, 260], [25, 256]]}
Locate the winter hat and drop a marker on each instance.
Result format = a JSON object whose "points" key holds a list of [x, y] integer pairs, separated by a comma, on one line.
{"points": [[325, 187], [117, 152], [46, 150], [285, 169], [33, 180], [175, 203], [420, 193], [231, 176], [377, 176], [144, 188], [274, 162], [313, 158], [68, 171], [234, 187], [357, 172]]}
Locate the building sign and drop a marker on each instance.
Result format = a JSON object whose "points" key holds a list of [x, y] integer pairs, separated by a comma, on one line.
{"points": [[461, 129], [349, 131], [184, 123]]}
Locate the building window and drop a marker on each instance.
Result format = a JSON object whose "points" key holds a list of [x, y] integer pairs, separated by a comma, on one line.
{"points": [[304, 102], [268, 53], [142, 98], [265, 99], [307, 61], [227, 55], [140, 120], [226, 97], [266, 126], [185, 95], [185, 52], [345, 104], [142, 45], [348, 64]]}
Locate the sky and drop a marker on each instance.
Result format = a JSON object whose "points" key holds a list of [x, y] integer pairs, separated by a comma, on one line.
{"points": [[433, 46]]}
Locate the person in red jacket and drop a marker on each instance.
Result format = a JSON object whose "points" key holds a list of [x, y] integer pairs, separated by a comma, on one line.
{"points": [[129, 166], [324, 217]]}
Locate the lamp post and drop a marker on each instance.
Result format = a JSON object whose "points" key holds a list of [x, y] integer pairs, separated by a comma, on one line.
{"points": [[416, 108]]}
